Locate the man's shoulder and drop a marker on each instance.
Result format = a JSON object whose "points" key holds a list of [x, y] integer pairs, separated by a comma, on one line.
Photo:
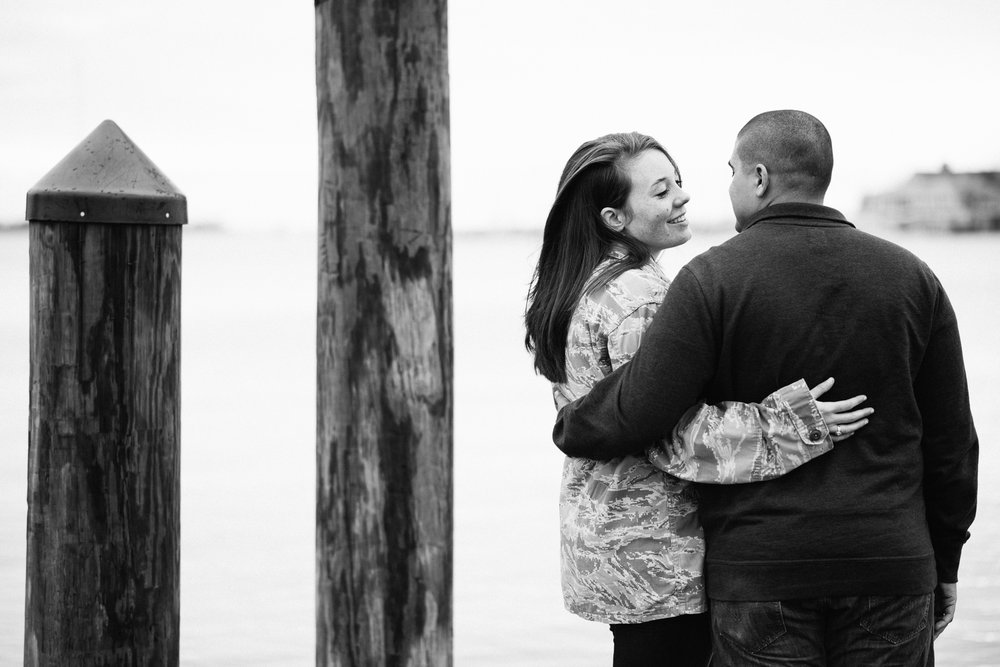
{"points": [[891, 257], [721, 256], [886, 246]]}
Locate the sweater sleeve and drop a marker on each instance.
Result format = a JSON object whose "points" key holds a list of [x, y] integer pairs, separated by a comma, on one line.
{"points": [[950, 444], [641, 401], [737, 443]]}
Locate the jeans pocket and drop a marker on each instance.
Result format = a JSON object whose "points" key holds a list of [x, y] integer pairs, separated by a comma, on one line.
{"points": [[751, 626], [896, 619]]}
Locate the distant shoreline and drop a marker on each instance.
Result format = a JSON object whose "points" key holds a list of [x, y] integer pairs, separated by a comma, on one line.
{"points": [[14, 227], [526, 232]]}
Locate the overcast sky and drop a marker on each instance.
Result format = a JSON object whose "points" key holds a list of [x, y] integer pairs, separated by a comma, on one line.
{"points": [[220, 93]]}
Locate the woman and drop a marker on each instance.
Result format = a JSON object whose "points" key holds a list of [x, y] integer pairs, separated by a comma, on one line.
{"points": [[632, 548]]}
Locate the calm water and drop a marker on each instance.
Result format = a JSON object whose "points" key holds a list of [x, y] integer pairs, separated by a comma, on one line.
{"points": [[248, 443]]}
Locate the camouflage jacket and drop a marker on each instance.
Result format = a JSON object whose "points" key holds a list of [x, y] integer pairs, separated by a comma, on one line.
{"points": [[631, 546]]}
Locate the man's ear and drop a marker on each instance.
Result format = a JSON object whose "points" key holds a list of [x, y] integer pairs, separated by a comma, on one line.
{"points": [[613, 218], [763, 180]]}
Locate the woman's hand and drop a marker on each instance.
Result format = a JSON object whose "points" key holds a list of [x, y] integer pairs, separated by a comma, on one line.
{"points": [[840, 416]]}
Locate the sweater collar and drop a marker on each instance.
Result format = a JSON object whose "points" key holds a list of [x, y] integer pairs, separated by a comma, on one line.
{"points": [[798, 210]]}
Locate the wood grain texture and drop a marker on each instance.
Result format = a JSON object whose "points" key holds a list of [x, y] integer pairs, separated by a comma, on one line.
{"points": [[103, 562], [384, 349]]}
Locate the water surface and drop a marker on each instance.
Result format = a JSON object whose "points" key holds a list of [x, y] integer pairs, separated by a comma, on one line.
{"points": [[248, 442]]}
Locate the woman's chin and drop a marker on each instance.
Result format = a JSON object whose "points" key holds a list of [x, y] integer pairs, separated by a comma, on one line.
{"points": [[681, 235]]}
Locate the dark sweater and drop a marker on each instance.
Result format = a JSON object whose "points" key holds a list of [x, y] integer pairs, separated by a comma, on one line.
{"points": [[802, 293]]}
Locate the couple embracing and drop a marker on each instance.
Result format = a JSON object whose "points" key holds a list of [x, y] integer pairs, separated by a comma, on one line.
{"points": [[712, 506]]}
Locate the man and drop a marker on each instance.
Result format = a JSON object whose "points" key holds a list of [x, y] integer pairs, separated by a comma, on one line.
{"points": [[837, 562]]}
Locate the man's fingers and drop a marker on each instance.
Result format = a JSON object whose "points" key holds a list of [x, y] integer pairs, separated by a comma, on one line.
{"points": [[943, 622], [945, 601]]}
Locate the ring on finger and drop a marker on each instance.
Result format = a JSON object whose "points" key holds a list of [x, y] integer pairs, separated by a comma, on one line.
{"points": [[837, 432]]}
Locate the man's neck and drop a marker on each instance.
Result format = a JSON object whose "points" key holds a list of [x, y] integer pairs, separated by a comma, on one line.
{"points": [[792, 197]]}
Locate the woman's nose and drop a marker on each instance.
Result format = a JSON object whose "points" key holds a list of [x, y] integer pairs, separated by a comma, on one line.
{"points": [[682, 199]]}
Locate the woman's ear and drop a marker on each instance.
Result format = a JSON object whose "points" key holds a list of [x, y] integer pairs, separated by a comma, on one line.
{"points": [[613, 218]]}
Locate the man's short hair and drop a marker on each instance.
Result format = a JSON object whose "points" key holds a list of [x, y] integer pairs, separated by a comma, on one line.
{"points": [[792, 145]]}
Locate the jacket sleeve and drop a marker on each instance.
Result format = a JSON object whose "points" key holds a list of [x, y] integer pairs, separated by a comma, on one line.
{"points": [[950, 444], [640, 402], [625, 338], [736, 443]]}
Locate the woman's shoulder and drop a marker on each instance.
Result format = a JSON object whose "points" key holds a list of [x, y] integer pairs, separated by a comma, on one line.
{"points": [[632, 288]]}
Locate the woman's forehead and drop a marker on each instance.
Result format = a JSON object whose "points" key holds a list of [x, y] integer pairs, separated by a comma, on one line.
{"points": [[650, 167]]}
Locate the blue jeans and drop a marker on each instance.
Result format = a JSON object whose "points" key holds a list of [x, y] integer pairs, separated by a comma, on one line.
{"points": [[825, 632]]}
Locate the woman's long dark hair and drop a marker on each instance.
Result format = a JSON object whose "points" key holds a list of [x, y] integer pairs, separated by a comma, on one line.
{"points": [[576, 240]]}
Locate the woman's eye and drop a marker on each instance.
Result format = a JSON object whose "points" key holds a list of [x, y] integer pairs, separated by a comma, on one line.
{"points": [[679, 183]]}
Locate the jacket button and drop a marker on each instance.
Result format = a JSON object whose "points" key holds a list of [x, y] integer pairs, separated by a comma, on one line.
{"points": [[815, 435]]}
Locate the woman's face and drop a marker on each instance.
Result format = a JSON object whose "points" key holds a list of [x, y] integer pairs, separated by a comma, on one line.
{"points": [[656, 203]]}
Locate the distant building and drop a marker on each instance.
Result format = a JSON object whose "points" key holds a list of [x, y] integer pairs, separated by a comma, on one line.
{"points": [[943, 201]]}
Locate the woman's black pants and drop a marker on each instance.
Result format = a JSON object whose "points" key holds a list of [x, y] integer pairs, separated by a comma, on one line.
{"points": [[681, 641]]}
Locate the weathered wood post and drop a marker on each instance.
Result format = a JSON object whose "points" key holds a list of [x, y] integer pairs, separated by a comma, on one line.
{"points": [[103, 585], [384, 349]]}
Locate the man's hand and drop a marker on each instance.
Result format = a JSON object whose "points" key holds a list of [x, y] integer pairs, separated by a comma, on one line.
{"points": [[945, 599]]}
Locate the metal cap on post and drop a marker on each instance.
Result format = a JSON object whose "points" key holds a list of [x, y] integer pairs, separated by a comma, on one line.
{"points": [[103, 556], [106, 178]]}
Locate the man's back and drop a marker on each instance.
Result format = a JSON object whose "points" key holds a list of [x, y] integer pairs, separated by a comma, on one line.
{"points": [[802, 293]]}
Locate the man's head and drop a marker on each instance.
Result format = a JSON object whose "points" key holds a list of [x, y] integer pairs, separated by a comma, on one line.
{"points": [[779, 156]]}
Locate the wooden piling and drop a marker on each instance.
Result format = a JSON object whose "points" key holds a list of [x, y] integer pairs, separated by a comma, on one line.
{"points": [[384, 349], [103, 584]]}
